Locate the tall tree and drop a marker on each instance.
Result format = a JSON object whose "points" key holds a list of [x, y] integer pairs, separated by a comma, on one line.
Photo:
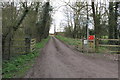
{"points": [[43, 21], [95, 26], [116, 18], [111, 20]]}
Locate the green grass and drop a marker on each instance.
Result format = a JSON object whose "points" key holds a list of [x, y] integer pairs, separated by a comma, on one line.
{"points": [[69, 41], [18, 66], [103, 50], [78, 43]]}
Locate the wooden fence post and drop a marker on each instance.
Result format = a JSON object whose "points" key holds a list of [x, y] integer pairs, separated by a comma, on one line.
{"points": [[82, 44], [97, 45], [27, 45], [32, 44]]}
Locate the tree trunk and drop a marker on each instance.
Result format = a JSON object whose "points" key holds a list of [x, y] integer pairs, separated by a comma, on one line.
{"points": [[95, 27], [116, 16], [111, 22]]}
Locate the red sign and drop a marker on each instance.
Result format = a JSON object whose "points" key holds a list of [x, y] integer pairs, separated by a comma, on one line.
{"points": [[91, 37]]}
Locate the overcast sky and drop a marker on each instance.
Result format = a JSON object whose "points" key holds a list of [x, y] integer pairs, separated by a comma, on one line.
{"points": [[58, 14]]}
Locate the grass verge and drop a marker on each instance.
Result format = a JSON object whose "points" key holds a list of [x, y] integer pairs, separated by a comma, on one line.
{"points": [[18, 66], [70, 41], [78, 44]]}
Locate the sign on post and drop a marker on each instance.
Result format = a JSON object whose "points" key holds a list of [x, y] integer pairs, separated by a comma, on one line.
{"points": [[91, 41], [91, 37], [85, 42]]}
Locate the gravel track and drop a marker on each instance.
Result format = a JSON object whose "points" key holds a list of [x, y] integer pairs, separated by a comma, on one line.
{"points": [[60, 61]]}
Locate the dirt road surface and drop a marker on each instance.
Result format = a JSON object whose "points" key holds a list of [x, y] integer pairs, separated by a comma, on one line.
{"points": [[60, 61]]}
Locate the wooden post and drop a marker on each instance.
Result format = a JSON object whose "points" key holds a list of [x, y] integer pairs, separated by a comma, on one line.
{"points": [[27, 45], [82, 44], [10, 43], [3, 47], [97, 45], [9, 49], [119, 45], [32, 44]]}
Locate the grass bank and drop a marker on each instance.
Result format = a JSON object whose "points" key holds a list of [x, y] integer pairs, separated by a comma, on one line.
{"points": [[18, 66], [77, 43], [70, 41]]}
